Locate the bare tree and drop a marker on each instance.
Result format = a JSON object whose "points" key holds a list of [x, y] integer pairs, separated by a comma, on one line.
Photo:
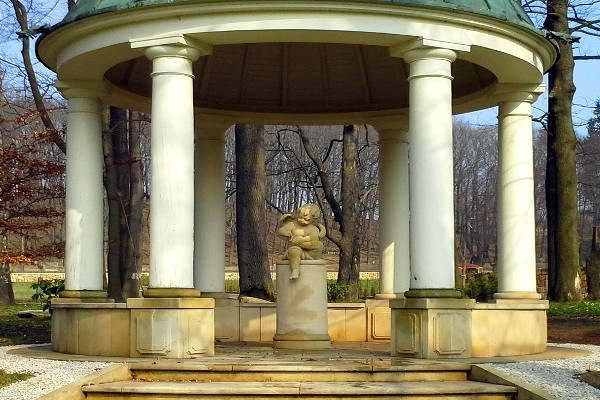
{"points": [[31, 192], [255, 276], [124, 189], [332, 177], [475, 171], [25, 34], [561, 176]]}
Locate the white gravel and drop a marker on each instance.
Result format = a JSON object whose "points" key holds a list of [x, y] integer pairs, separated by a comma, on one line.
{"points": [[49, 375], [556, 377]]}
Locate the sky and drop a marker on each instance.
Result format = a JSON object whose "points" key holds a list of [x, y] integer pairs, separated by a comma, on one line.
{"points": [[587, 82]]}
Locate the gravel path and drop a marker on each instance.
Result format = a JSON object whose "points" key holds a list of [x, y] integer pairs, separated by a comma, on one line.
{"points": [[557, 376], [553, 376], [49, 374]]}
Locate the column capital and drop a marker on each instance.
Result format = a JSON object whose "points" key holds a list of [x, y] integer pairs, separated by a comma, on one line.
{"points": [[427, 53], [428, 48], [188, 53], [80, 89], [393, 136], [397, 122], [209, 126], [177, 45], [518, 92]]}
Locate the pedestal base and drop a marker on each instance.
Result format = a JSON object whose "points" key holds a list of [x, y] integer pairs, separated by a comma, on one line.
{"points": [[302, 307], [172, 328], [461, 328], [156, 327]]}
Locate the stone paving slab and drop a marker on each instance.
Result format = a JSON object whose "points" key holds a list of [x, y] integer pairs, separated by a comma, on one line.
{"points": [[299, 388], [262, 353]]}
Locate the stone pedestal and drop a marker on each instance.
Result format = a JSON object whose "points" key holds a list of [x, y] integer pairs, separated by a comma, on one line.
{"points": [[156, 327], [302, 307], [431, 327], [99, 328], [172, 328], [438, 328]]}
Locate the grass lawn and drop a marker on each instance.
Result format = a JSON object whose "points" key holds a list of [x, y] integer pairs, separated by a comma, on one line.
{"points": [[15, 330], [575, 309], [23, 291], [6, 379]]}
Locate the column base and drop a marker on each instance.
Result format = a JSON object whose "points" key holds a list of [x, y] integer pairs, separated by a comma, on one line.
{"points": [[301, 341], [433, 293], [219, 295], [389, 296], [170, 292], [84, 294], [517, 296]]}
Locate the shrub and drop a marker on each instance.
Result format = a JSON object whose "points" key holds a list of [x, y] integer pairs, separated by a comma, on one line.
{"points": [[481, 287], [45, 290], [336, 293], [368, 288]]}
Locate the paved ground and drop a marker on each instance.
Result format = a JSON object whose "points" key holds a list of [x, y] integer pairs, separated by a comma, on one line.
{"points": [[250, 352]]}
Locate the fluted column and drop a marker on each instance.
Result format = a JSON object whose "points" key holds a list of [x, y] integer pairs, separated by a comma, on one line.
{"points": [[431, 173], [394, 210], [516, 206], [209, 219], [172, 166], [84, 255]]}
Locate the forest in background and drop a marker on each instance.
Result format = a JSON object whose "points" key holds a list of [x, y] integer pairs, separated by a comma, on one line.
{"points": [[32, 186]]}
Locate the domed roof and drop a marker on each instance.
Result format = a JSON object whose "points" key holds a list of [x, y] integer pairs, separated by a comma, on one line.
{"points": [[507, 10], [310, 60]]}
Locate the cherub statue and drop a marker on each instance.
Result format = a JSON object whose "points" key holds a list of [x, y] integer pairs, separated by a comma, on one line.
{"points": [[304, 231]]}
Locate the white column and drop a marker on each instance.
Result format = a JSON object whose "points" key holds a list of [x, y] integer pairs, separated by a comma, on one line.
{"points": [[431, 169], [209, 219], [393, 212], [516, 206], [84, 252], [172, 166]]}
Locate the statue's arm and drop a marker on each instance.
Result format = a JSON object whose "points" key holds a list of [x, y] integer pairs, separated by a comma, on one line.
{"points": [[322, 230], [286, 229]]}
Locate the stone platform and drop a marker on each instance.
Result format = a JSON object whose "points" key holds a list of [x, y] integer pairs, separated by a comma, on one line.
{"points": [[343, 362]]}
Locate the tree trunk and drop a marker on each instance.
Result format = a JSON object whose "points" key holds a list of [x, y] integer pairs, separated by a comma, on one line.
{"points": [[111, 183], [7, 295], [551, 214], [120, 141], [564, 279], [348, 273], [123, 182], [133, 263], [253, 262], [593, 267]]}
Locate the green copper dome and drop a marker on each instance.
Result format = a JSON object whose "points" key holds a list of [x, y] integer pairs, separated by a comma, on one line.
{"points": [[507, 10]]}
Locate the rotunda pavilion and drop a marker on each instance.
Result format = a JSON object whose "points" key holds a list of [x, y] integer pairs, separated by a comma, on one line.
{"points": [[403, 66]]}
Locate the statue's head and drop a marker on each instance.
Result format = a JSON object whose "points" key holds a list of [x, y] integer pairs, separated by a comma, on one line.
{"points": [[309, 213]]}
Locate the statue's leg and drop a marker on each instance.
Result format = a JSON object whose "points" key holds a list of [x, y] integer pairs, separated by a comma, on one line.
{"points": [[294, 255]]}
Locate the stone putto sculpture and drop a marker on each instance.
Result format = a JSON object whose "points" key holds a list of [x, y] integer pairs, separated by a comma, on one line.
{"points": [[304, 231]]}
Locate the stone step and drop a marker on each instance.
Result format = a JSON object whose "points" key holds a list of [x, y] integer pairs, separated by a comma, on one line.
{"points": [[315, 372], [453, 390]]}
